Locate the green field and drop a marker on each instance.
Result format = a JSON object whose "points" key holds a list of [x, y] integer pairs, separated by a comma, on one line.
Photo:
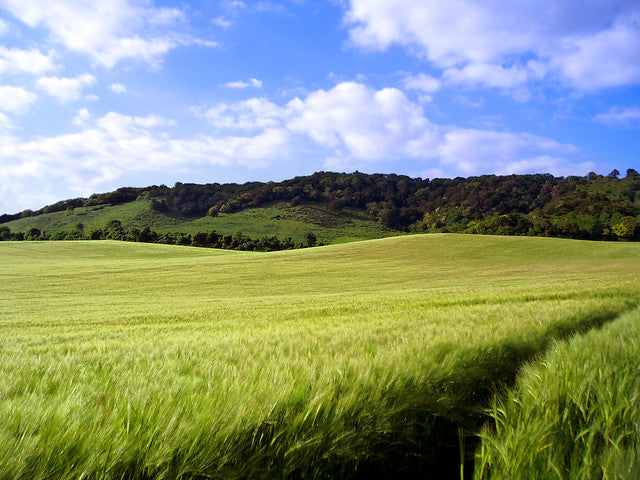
{"points": [[377, 358]]}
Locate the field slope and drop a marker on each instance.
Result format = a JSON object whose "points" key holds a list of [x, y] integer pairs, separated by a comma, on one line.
{"points": [[128, 360]]}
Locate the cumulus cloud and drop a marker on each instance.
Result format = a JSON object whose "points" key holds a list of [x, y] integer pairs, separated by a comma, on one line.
{"points": [[255, 113], [118, 88], [221, 22], [5, 124], [149, 50], [254, 82], [352, 120], [65, 89], [423, 83], [355, 124], [626, 117], [507, 44], [15, 99], [608, 58], [109, 30], [82, 118], [488, 75], [121, 126], [472, 151], [367, 124], [115, 145], [32, 61]]}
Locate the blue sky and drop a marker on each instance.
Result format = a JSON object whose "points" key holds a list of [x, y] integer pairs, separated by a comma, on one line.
{"points": [[99, 95]]}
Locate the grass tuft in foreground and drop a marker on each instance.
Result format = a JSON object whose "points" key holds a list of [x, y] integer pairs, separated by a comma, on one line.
{"points": [[573, 415]]}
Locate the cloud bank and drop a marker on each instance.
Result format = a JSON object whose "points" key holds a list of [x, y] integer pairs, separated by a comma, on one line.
{"points": [[349, 125], [586, 45], [108, 31]]}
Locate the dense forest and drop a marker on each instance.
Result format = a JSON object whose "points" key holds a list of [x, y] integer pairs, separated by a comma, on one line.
{"points": [[593, 207]]}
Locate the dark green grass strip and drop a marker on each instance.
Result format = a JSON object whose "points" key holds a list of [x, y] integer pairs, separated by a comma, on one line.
{"points": [[573, 415]]}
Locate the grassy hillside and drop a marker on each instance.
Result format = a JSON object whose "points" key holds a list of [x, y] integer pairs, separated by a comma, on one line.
{"points": [[280, 219], [353, 206], [127, 360]]}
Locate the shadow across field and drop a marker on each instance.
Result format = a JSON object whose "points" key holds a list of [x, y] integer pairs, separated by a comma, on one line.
{"points": [[430, 436], [433, 436]]}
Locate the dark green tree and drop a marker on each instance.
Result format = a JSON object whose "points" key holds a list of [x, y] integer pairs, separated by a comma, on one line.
{"points": [[114, 230], [311, 239], [33, 234], [5, 233]]}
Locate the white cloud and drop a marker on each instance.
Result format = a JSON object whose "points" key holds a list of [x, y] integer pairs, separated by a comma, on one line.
{"points": [[367, 124], [255, 113], [65, 89], [15, 60], [108, 31], [627, 117], [608, 58], [15, 99], [118, 88], [473, 152], [230, 12], [446, 33], [234, 5], [423, 83], [488, 75], [5, 124], [82, 118], [115, 145], [355, 125], [254, 82], [186, 41], [511, 43], [149, 50], [221, 22], [557, 166], [122, 125], [350, 119]]}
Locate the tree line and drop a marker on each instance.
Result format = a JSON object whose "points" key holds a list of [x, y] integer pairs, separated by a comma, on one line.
{"points": [[114, 230], [598, 207]]}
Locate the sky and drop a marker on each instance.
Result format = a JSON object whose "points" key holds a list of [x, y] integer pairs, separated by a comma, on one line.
{"points": [[100, 95]]}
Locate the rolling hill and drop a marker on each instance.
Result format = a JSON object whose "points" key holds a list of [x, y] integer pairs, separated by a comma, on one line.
{"points": [[336, 207], [279, 219]]}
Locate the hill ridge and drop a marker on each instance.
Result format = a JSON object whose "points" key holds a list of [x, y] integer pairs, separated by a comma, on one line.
{"points": [[593, 207]]}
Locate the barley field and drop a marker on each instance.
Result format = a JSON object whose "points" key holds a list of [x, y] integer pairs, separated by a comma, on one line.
{"points": [[368, 359], [575, 414]]}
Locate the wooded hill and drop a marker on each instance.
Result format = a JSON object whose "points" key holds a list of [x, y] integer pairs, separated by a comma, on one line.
{"points": [[593, 207]]}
